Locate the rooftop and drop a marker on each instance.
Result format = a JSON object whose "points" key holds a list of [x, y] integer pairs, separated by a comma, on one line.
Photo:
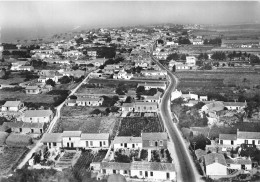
{"points": [[38, 113], [248, 135], [127, 139], [12, 103], [227, 136], [51, 137], [154, 136], [94, 136], [71, 134], [152, 166], [115, 165], [215, 158]]}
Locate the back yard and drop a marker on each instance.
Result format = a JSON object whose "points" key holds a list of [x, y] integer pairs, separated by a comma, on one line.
{"points": [[136, 125]]}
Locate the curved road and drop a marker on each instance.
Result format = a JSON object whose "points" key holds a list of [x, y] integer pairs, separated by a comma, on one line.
{"points": [[186, 171]]}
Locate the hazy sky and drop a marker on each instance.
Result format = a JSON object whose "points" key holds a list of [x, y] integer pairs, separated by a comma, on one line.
{"points": [[43, 17]]}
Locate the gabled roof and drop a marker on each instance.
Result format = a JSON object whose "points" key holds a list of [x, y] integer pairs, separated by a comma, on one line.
{"points": [[31, 88], [128, 104], [12, 103], [152, 166], [154, 136], [127, 139], [37, 113], [115, 165], [94, 136], [248, 135], [87, 99], [215, 158], [71, 133], [227, 136], [236, 104], [239, 161], [51, 137]]}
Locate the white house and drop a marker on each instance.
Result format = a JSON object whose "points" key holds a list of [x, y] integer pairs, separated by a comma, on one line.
{"points": [[108, 168], [235, 105], [71, 139], [38, 116], [150, 85], [197, 42], [12, 106], [190, 96], [227, 139], [127, 142], [191, 60], [52, 140], [240, 163], [250, 138], [128, 107], [215, 165], [153, 170], [88, 101], [32, 90], [94, 140], [176, 94], [151, 73], [122, 74]]}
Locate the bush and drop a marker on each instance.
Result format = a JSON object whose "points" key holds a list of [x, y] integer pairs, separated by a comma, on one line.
{"points": [[3, 136], [18, 140]]}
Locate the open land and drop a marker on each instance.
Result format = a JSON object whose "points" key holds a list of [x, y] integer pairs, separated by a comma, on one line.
{"points": [[9, 156]]}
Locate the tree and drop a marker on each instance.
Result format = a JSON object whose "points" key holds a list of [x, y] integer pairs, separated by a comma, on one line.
{"points": [[50, 82], [254, 59], [218, 56], [3, 119], [199, 142], [183, 57], [140, 89], [152, 91], [65, 79], [73, 97], [96, 111], [129, 99], [160, 41], [173, 56], [120, 91], [173, 68]]}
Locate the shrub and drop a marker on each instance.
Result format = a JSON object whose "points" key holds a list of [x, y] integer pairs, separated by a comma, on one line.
{"points": [[18, 140], [3, 136]]}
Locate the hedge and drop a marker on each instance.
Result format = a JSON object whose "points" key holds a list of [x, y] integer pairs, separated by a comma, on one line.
{"points": [[18, 140]]}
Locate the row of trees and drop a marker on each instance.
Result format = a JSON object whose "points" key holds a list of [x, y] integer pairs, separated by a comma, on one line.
{"points": [[176, 57]]}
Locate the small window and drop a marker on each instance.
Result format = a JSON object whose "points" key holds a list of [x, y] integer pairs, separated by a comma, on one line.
{"points": [[151, 173], [114, 171], [141, 173], [54, 144], [121, 144], [91, 143], [125, 171], [69, 138], [104, 143], [258, 141], [104, 171], [161, 143]]}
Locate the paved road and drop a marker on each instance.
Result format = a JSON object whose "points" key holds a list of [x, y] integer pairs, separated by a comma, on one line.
{"points": [[186, 171], [50, 128]]}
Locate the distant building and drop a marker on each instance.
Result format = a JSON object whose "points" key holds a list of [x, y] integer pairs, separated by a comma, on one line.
{"points": [[32, 90], [215, 165], [12, 106], [38, 116], [154, 141], [87, 101]]}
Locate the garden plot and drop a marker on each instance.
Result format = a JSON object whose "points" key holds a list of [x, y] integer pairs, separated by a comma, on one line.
{"points": [[133, 126]]}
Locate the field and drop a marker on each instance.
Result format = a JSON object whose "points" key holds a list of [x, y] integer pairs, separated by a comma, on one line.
{"points": [[13, 79], [101, 91], [78, 111], [9, 157], [218, 81], [134, 126]]}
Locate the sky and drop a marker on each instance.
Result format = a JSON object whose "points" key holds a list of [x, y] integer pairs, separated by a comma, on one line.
{"points": [[24, 18]]}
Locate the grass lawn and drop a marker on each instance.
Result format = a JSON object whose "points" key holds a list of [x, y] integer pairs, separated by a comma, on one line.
{"points": [[9, 156], [78, 111], [135, 125]]}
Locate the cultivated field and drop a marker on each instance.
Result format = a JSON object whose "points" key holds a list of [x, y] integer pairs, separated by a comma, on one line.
{"points": [[78, 111], [134, 126], [9, 156], [101, 91]]}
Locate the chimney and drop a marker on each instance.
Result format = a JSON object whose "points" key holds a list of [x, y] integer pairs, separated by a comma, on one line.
{"points": [[216, 159]]}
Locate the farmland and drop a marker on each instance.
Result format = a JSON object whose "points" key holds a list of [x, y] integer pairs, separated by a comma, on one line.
{"points": [[135, 125], [9, 157], [101, 91], [77, 111]]}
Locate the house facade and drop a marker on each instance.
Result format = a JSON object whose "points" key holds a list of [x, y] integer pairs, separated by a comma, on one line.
{"points": [[128, 107], [154, 140], [235, 105], [32, 90], [94, 140], [38, 116], [12, 106], [127, 142], [215, 165], [148, 86], [146, 107], [87, 101], [52, 140]]}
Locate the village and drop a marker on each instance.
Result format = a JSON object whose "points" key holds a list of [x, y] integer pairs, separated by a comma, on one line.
{"points": [[92, 103]]}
